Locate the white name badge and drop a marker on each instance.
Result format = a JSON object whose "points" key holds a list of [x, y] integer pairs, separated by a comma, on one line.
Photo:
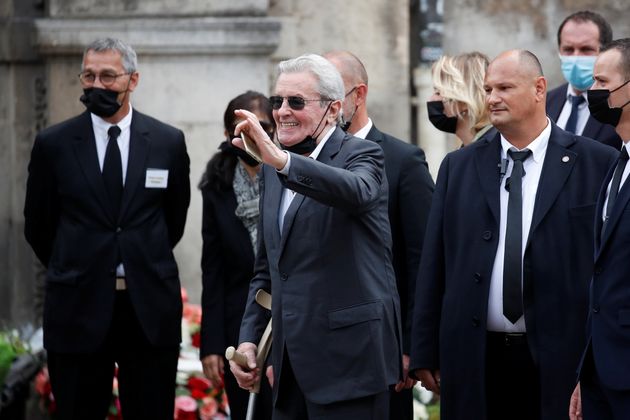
{"points": [[156, 178]]}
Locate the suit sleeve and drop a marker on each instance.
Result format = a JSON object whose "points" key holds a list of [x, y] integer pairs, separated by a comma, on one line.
{"points": [[178, 195], [41, 213], [213, 293], [415, 191], [353, 189], [427, 306]]}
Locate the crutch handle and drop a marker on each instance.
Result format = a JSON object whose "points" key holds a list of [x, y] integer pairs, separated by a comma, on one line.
{"points": [[239, 358]]}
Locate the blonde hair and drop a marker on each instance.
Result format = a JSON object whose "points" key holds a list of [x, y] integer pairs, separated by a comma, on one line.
{"points": [[459, 79]]}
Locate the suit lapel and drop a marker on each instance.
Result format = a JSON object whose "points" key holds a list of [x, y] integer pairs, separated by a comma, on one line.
{"points": [[599, 211], [557, 103], [136, 163], [85, 150], [617, 210], [487, 161], [272, 200], [375, 134], [326, 155], [558, 164], [289, 217], [592, 128]]}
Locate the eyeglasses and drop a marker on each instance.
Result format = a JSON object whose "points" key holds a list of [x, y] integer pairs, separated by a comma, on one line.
{"points": [[296, 103], [107, 79], [350, 91]]}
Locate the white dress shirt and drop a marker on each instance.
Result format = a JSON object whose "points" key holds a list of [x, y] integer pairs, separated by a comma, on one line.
{"points": [[287, 194], [363, 132], [624, 176], [533, 168], [100, 127], [583, 112]]}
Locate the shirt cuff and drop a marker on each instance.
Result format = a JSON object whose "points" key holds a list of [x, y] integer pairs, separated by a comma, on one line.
{"points": [[285, 170]]}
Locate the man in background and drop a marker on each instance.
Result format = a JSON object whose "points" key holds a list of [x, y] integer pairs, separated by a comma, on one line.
{"points": [[605, 370], [410, 191], [580, 38], [106, 202]]}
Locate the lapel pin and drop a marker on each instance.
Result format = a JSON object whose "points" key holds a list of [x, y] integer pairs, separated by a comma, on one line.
{"points": [[565, 159]]}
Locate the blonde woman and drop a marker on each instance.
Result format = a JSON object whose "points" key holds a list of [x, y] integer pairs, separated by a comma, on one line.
{"points": [[458, 103]]}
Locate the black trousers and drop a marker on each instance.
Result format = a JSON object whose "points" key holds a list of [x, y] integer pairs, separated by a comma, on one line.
{"points": [[82, 383], [598, 401], [512, 380], [401, 404], [292, 405], [238, 397]]}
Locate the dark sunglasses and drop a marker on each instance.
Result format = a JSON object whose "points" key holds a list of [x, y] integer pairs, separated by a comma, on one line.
{"points": [[296, 103]]}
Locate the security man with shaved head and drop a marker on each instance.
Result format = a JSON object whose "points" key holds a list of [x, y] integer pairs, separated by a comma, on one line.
{"points": [[503, 284]]}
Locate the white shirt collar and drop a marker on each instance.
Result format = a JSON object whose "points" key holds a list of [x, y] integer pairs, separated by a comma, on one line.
{"points": [[572, 92], [538, 146], [315, 153], [363, 131], [101, 126]]}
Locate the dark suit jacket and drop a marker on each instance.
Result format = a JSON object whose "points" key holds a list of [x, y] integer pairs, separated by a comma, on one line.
{"points": [[335, 307], [410, 191], [594, 129], [227, 264], [450, 316], [70, 225], [609, 315]]}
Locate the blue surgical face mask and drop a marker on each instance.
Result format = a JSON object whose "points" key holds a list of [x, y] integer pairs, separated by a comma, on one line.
{"points": [[578, 70]]}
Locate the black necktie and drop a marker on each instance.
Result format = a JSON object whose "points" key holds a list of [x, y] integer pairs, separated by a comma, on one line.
{"points": [[513, 258], [112, 169], [573, 117], [614, 185]]}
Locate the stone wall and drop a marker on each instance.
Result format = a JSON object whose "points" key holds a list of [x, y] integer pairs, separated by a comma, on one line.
{"points": [[492, 26], [194, 56], [22, 113], [377, 31]]}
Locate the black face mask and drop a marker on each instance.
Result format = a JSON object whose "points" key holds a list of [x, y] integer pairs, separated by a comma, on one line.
{"points": [[228, 147], [439, 119], [347, 123], [101, 102], [304, 147], [599, 108], [309, 144]]}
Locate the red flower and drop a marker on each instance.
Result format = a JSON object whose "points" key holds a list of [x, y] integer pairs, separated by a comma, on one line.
{"points": [[197, 394], [199, 383], [209, 409], [196, 339], [185, 408], [192, 313], [42, 383]]}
